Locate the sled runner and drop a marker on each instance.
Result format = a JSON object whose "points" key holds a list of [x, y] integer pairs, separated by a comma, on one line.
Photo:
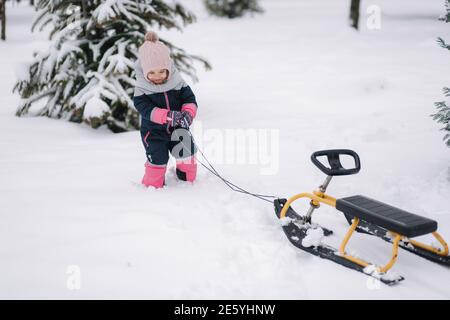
{"points": [[365, 215]]}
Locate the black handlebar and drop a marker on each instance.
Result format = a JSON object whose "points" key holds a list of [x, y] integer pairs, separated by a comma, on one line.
{"points": [[336, 168]]}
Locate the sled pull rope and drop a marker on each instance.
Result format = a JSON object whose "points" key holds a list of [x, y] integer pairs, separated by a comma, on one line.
{"points": [[229, 184], [232, 186]]}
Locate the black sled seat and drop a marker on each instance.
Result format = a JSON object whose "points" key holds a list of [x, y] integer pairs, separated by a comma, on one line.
{"points": [[386, 216]]}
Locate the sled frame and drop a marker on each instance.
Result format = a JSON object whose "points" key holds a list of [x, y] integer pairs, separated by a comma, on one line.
{"points": [[319, 196]]}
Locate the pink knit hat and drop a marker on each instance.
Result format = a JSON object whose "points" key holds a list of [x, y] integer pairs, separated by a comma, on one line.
{"points": [[153, 54]]}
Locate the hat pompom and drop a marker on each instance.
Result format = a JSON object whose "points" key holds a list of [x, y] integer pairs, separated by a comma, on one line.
{"points": [[151, 36]]}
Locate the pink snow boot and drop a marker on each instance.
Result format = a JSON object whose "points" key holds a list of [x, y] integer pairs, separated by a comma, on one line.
{"points": [[187, 169], [154, 175]]}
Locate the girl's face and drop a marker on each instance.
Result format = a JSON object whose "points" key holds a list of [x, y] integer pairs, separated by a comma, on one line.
{"points": [[158, 76]]}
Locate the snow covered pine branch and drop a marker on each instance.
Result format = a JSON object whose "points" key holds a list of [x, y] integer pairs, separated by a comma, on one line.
{"points": [[87, 73]]}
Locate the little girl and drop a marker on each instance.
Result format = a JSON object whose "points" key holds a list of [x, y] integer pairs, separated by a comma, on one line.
{"points": [[165, 103]]}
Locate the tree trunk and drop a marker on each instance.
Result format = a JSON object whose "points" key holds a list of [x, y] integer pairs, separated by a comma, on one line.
{"points": [[354, 13], [84, 8], [3, 18]]}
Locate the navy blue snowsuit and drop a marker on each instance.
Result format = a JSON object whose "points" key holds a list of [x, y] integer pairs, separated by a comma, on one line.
{"points": [[156, 137]]}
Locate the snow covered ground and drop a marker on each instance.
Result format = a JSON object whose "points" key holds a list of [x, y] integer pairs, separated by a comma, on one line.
{"points": [[70, 199]]}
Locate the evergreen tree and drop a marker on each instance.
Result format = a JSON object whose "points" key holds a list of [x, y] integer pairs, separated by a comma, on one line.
{"points": [[443, 107], [443, 115], [232, 8], [87, 74], [446, 16]]}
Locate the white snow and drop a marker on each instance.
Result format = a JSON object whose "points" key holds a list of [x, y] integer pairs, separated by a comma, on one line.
{"points": [[95, 107], [371, 269], [71, 203], [313, 238], [374, 272], [285, 221], [22, 71]]}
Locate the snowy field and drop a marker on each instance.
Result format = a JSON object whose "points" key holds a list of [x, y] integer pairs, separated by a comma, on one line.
{"points": [[70, 195]]}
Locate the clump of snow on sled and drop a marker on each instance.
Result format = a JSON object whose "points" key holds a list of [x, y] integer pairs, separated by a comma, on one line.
{"points": [[286, 221], [313, 238], [373, 271]]}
